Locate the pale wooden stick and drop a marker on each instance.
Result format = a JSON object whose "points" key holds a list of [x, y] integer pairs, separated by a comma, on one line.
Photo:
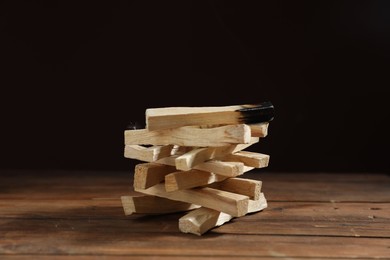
{"points": [[149, 174], [247, 187], [251, 159], [153, 205], [188, 160], [259, 130], [174, 117], [191, 136], [229, 169], [147, 154], [231, 203], [257, 205], [190, 179], [203, 219]]}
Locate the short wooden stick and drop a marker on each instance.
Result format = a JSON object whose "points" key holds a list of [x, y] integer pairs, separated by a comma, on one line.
{"points": [[247, 187], [149, 174], [190, 179], [188, 160], [251, 159], [191, 136], [229, 169], [203, 219], [147, 154], [259, 130], [231, 203], [153, 205]]}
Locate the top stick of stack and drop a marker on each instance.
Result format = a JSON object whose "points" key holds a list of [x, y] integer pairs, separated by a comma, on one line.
{"points": [[174, 117]]}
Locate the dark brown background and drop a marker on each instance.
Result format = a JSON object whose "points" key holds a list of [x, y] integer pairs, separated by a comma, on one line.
{"points": [[75, 74]]}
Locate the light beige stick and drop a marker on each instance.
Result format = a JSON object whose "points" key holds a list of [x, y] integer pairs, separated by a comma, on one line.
{"points": [[147, 154], [149, 174], [231, 203], [153, 205], [174, 117], [190, 179], [203, 219], [247, 187], [229, 169], [191, 136], [251, 159], [188, 160], [259, 130]]}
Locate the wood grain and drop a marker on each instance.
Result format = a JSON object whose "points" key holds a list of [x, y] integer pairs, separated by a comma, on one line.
{"points": [[228, 202], [78, 215], [191, 136], [197, 156]]}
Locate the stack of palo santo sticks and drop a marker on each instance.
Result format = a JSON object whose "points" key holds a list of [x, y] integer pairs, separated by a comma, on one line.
{"points": [[193, 156]]}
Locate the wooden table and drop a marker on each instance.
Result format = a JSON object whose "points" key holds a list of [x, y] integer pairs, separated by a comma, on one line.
{"points": [[57, 214]]}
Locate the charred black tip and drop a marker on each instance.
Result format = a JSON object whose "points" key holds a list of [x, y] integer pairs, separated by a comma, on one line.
{"points": [[259, 113]]}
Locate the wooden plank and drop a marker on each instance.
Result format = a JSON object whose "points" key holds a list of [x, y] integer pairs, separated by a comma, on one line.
{"points": [[174, 117], [197, 156], [124, 238], [147, 154], [190, 179], [231, 203], [259, 130], [203, 219], [191, 136], [229, 169], [148, 174], [153, 205], [247, 187], [291, 218], [257, 160]]}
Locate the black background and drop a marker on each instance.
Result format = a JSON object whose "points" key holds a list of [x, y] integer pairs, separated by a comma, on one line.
{"points": [[74, 74]]}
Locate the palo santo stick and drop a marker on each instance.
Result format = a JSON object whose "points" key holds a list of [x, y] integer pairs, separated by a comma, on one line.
{"points": [[190, 179], [147, 154], [257, 160], [259, 130], [229, 169], [203, 219], [197, 156], [153, 205], [149, 174], [191, 136], [257, 205], [247, 187], [231, 203], [174, 117]]}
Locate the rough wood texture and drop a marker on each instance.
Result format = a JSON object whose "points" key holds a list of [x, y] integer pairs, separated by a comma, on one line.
{"points": [[174, 117], [203, 219], [147, 154], [153, 205], [247, 187], [78, 215], [191, 136], [251, 159], [259, 130], [190, 179], [148, 174], [197, 156], [231, 203], [229, 169]]}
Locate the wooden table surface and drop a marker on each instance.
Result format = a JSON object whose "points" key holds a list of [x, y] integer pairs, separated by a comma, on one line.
{"points": [[78, 215]]}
